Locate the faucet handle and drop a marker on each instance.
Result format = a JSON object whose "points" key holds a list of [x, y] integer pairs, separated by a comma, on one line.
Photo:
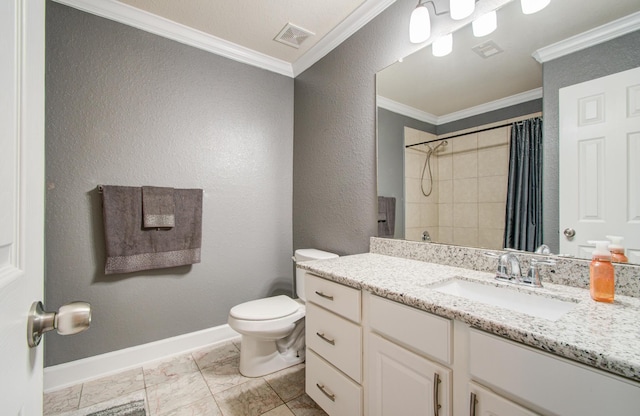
{"points": [[533, 276], [502, 272]]}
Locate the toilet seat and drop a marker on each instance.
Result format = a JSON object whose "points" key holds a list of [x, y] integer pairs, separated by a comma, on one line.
{"points": [[265, 309]]}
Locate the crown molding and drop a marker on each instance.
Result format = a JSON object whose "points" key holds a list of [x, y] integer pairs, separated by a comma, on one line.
{"points": [[414, 113], [128, 15], [354, 22], [522, 97], [592, 37], [406, 110], [131, 16]]}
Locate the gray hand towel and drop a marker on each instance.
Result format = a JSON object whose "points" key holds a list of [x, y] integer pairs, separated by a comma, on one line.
{"points": [[130, 247], [158, 207], [386, 216]]}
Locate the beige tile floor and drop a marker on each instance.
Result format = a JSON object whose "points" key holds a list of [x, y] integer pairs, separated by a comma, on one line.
{"points": [[203, 383]]}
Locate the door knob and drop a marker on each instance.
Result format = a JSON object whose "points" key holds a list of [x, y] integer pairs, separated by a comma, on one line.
{"points": [[72, 318], [569, 233]]}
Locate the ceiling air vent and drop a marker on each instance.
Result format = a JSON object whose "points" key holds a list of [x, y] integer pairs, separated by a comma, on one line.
{"points": [[293, 35], [487, 49]]}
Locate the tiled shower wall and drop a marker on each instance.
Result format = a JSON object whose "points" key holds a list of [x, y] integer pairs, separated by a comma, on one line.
{"points": [[467, 204]]}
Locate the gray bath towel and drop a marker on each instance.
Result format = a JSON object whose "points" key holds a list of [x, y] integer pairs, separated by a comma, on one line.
{"points": [[130, 247], [386, 216], [158, 207]]}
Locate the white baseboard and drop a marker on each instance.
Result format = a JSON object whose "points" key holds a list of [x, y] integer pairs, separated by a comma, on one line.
{"points": [[79, 371]]}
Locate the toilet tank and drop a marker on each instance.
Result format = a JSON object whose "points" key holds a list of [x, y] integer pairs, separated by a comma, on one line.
{"points": [[306, 254]]}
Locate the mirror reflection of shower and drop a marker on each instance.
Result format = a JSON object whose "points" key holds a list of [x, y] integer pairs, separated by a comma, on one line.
{"points": [[427, 168]]}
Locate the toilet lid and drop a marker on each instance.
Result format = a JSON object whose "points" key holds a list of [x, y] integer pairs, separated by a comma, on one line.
{"points": [[264, 309]]}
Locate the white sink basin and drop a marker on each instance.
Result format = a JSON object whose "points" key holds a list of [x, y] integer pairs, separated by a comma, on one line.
{"points": [[504, 297]]}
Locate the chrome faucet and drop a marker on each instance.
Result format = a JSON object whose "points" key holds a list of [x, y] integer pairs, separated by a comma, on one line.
{"points": [[426, 236], [509, 268]]}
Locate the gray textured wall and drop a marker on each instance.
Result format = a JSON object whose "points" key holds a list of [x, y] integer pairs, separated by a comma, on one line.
{"points": [[334, 193], [334, 163], [598, 61], [131, 108]]}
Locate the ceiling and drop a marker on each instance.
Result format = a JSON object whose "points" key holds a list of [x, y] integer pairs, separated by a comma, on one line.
{"points": [[254, 23], [441, 87]]}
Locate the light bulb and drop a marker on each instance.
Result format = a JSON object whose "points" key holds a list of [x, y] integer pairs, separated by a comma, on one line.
{"points": [[460, 9], [442, 46], [485, 24], [419, 25], [533, 6]]}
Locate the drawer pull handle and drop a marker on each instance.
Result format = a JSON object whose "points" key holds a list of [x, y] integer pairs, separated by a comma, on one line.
{"points": [[436, 385], [322, 295], [331, 397], [325, 339], [472, 405]]}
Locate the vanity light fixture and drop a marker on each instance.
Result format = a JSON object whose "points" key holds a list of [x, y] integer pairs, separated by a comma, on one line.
{"points": [[420, 24], [443, 45], [485, 24], [461, 8], [533, 6]]}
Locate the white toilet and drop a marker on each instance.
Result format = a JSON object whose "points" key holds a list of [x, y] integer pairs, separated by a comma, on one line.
{"points": [[273, 328]]}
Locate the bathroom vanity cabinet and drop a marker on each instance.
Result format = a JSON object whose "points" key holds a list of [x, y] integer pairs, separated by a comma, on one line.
{"points": [[334, 346], [368, 355]]}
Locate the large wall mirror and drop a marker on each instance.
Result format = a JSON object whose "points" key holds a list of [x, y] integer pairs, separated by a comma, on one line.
{"points": [[445, 126]]}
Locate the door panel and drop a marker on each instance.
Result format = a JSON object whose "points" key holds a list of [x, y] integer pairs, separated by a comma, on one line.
{"points": [[21, 200], [600, 163]]}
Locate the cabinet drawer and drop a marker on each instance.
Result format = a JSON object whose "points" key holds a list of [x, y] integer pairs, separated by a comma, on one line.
{"points": [[343, 300], [332, 390], [335, 339], [413, 328], [547, 383]]}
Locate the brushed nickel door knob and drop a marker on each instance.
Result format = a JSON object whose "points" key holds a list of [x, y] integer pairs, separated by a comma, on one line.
{"points": [[569, 233], [70, 319]]}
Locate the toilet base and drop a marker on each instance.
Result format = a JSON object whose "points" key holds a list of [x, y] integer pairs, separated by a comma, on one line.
{"points": [[260, 357]]}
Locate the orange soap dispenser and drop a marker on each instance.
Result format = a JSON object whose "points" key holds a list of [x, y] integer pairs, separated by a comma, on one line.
{"points": [[601, 273], [616, 249]]}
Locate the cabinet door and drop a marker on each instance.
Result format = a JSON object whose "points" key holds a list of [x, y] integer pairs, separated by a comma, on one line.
{"points": [[404, 383], [484, 402]]}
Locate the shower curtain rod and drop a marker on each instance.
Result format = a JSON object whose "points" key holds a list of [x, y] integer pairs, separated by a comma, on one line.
{"points": [[464, 134]]}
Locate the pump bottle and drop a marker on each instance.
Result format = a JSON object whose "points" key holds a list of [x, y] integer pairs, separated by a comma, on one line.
{"points": [[601, 273], [616, 249]]}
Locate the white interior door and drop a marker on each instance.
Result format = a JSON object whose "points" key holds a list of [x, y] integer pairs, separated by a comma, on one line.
{"points": [[21, 200], [600, 163]]}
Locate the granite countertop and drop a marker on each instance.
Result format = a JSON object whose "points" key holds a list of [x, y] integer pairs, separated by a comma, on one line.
{"points": [[602, 335]]}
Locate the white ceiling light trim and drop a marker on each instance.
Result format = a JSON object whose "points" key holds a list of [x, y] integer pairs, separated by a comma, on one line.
{"points": [[592, 37], [131, 16]]}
